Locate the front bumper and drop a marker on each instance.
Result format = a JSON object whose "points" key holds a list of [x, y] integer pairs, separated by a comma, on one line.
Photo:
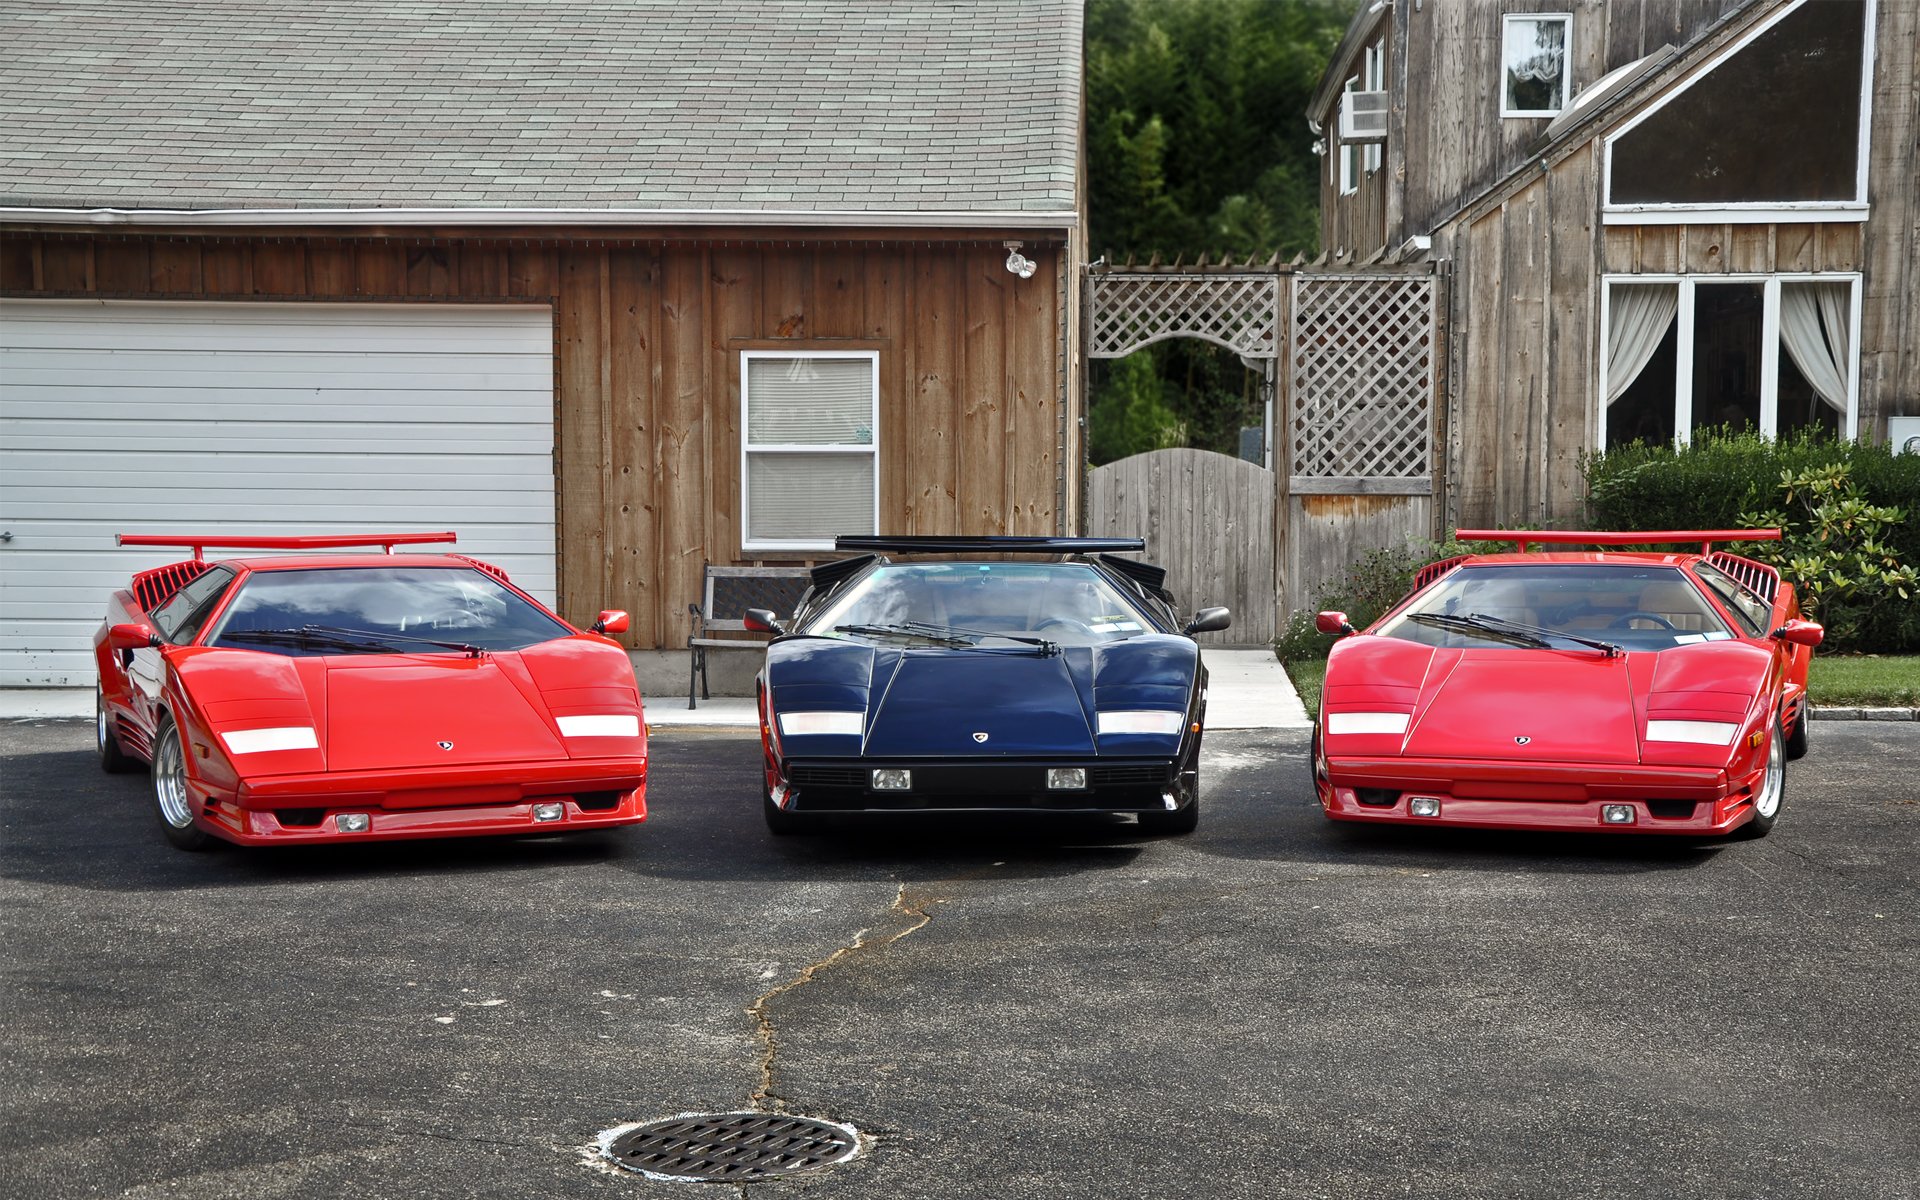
{"points": [[463, 801], [1547, 797], [1113, 785]]}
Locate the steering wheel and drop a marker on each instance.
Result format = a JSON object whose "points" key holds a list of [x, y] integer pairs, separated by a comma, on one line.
{"points": [[1626, 620], [1067, 623]]}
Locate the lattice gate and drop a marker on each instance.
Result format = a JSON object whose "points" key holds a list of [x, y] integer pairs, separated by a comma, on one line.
{"points": [[1362, 385], [1352, 364]]}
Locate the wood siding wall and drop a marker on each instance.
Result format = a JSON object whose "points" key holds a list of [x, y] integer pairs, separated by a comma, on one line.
{"points": [[1526, 299], [1446, 139], [648, 339]]}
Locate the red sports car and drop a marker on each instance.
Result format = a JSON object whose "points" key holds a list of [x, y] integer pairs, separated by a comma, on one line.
{"points": [[1636, 692], [348, 697]]}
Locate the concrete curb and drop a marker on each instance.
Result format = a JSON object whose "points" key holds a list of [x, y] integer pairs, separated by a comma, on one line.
{"points": [[1864, 714]]}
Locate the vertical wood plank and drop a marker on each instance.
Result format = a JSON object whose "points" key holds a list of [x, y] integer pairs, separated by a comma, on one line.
{"points": [[481, 271], [734, 313], [934, 400], [884, 307], [1479, 400], [1750, 248], [1840, 246], [429, 270], [632, 537], [1795, 247], [379, 269], [1704, 248], [123, 267], [280, 269], [1573, 332], [67, 265], [582, 505], [174, 267], [980, 438], [786, 276], [1033, 370], [836, 309], [1659, 249], [330, 268], [685, 395], [16, 263], [532, 271]]}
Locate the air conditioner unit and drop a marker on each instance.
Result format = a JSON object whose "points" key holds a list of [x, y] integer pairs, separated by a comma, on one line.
{"points": [[1363, 117]]}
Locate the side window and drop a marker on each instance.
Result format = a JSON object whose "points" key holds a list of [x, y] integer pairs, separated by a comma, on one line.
{"points": [[1748, 608], [180, 618], [1533, 64]]}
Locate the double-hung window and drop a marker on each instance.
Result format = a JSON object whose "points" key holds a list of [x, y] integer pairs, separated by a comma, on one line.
{"points": [[809, 451], [1534, 63]]}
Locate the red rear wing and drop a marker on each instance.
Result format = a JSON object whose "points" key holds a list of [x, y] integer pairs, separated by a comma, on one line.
{"points": [[1659, 537], [318, 541]]}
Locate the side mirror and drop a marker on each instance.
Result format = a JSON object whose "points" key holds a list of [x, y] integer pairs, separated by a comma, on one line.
{"points": [[1208, 620], [132, 637], [1334, 623], [611, 621], [1801, 633], [762, 620]]}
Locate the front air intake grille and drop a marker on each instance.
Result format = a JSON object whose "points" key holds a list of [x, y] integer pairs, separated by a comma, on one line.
{"points": [[830, 777], [1123, 776], [597, 801]]}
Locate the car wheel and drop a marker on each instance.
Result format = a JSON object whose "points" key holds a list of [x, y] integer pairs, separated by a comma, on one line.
{"points": [[780, 822], [1797, 741], [1773, 786], [113, 760], [172, 799]]}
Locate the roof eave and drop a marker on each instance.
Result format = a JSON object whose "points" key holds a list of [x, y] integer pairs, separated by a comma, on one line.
{"points": [[570, 217]]}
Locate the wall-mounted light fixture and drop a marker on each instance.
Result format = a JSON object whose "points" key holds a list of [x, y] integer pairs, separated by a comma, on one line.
{"points": [[1019, 263]]}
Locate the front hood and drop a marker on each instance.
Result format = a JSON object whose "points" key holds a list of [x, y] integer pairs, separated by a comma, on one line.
{"points": [[1562, 708], [1550, 705], [921, 703], [433, 711]]}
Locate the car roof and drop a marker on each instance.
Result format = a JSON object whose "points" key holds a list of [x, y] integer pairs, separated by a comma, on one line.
{"points": [[1618, 558], [301, 562]]}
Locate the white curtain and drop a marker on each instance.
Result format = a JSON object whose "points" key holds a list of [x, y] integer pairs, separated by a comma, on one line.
{"points": [[1814, 319], [1641, 313]]}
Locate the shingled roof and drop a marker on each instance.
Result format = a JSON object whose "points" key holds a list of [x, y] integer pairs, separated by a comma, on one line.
{"points": [[776, 110]]}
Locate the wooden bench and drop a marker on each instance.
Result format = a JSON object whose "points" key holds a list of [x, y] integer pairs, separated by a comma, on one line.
{"points": [[728, 593]]}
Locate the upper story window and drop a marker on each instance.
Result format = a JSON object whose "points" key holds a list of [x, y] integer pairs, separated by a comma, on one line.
{"points": [[1362, 153], [1534, 63], [809, 454], [1774, 130]]}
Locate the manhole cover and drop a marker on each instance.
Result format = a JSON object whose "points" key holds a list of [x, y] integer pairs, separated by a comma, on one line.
{"points": [[733, 1146]]}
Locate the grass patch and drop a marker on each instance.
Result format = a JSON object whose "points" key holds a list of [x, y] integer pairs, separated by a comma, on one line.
{"points": [[1307, 675], [1864, 681], [1836, 681]]}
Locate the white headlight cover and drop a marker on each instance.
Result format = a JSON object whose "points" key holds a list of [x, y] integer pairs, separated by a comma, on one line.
{"points": [[1706, 733], [611, 725], [256, 741], [1367, 722], [1157, 721], [800, 724]]}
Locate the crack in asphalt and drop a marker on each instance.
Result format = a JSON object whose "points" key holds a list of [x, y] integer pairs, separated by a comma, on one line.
{"points": [[763, 1098]]}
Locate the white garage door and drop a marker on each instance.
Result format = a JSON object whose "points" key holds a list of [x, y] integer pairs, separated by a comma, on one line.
{"points": [[178, 417]]}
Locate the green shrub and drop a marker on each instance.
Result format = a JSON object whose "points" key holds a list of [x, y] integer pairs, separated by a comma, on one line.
{"points": [[1371, 587], [1849, 546]]}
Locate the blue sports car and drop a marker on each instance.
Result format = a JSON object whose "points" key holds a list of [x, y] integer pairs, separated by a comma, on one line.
{"points": [[979, 679]]}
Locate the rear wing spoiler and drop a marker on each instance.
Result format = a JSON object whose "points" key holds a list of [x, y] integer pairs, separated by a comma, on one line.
{"points": [[1614, 537], [965, 544], [319, 541]]}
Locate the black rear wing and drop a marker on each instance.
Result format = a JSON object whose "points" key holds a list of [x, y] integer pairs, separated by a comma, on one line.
{"points": [[966, 544]]}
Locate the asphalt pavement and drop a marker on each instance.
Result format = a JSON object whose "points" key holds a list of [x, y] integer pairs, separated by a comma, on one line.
{"points": [[1271, 1007]]}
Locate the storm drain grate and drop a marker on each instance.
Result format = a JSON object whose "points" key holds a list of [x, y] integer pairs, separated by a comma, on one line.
{"points": [[733, 1147]]}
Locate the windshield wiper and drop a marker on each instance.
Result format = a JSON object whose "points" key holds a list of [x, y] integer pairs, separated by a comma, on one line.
{"points": [[1514, 631], [946, 635], [336, 638]]}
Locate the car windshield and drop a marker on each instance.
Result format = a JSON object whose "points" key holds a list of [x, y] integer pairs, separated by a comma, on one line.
{"points": [[380, 610], [952, 603], [1563, 606]]}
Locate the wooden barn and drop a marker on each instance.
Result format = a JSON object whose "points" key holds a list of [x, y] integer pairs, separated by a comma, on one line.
{"points": [[1654, 217], [615, 290]]}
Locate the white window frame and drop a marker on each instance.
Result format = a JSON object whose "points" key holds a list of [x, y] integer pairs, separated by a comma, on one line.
{"points": [[747, 541], [1373, 79], [1769, 347], [1759, 213], [1566, 64], [1349, 151]]}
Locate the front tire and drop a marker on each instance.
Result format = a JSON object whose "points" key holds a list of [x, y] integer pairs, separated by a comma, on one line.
{"points": [[172, 798], [113, 759], [1772, 790]]}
